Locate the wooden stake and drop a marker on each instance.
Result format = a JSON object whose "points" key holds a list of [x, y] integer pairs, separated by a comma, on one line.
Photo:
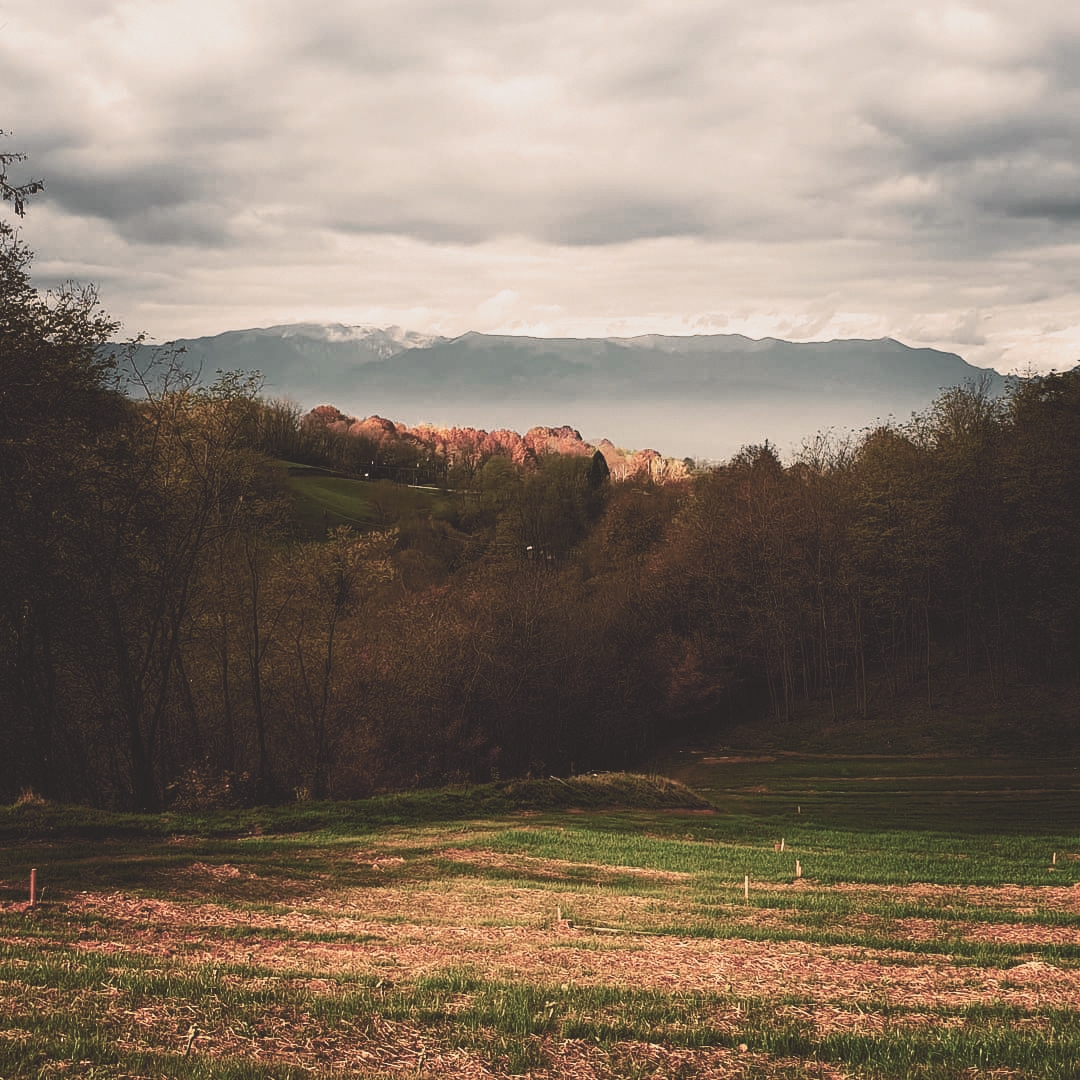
{"points": [[781, 843], [746, 887], [33, 887], [1054, 860], [798, 869]]}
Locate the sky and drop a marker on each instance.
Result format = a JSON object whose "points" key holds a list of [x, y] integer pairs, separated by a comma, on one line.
{"points": [[804, 169]]}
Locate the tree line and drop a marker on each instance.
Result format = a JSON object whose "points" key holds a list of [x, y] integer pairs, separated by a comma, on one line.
{"points": [[169, 636]]}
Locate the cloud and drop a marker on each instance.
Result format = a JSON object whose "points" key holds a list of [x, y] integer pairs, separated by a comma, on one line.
{"points": [[465, 122], [775, 167]]}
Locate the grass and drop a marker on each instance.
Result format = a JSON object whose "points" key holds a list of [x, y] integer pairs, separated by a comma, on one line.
{"points": [[27, 820], [323, 500], [593, 927], [1008, 794]]}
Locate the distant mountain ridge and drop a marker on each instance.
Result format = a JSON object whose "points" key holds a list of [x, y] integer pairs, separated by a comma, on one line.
{"points": [[701, 395], [630, 367]]}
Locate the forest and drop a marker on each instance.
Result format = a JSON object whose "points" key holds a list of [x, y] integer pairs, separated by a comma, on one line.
{"points": [[171, 631]]}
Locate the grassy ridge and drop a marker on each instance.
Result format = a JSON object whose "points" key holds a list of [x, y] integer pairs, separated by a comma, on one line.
{"points": [[31, 819]]}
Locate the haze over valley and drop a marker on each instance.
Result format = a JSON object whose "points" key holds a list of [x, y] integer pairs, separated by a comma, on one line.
{"points": [[700, 396]]}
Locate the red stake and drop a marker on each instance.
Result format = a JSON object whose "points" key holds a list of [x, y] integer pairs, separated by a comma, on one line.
{"points": [[33, 887]]}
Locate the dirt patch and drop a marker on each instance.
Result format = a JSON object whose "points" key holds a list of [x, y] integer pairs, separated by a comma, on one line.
{"points": [[827, 1020], [222, 871], [1022, 934], [579, 1059]]}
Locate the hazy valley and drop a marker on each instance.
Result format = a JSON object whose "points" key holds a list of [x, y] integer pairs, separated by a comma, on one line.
{"points": [[700, 396]]}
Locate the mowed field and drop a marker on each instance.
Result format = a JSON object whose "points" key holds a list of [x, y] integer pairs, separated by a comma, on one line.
{"points": [[538, 929]]}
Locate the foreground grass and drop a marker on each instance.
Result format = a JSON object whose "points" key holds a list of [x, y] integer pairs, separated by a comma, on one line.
{"points": [[553, 929]]}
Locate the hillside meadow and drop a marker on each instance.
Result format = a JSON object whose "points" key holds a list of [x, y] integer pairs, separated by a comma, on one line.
{"points": [[602, 926]]}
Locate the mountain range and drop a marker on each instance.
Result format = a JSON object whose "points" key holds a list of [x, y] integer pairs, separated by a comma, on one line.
{"points": [[702, 396]]}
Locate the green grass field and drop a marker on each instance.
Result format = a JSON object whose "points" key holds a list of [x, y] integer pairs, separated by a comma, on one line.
{"points": [[599, 927], [323, 500]]}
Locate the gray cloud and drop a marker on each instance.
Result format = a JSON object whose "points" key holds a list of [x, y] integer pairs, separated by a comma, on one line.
{"points": [[1035, 188], [616, 219], [121, 194]]}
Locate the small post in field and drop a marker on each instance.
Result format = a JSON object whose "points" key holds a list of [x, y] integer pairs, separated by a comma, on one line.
{"points": [[798, 809], [1053, 861], [781, 843], [33, 887], [746, 888], [798, 869]]}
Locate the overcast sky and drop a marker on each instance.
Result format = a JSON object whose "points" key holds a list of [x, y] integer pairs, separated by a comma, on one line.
{"points": [[806, 170]]}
